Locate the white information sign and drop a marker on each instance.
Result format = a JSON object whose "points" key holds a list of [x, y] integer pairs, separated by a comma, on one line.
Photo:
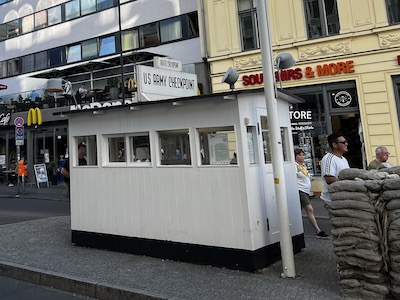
{"points": [[219, 149], [167, 64], [40, 173], [158, 84]]}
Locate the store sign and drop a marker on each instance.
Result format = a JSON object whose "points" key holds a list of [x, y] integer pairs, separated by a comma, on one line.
{"points": [[34, 117], [5, 118], [96, 105], [308, 72], [301, 120]]}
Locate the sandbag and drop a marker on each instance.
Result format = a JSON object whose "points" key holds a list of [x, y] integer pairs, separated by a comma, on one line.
{"points": [[352, 213], [390, 195], [350, 196], [391, 184], [347, 185], [353, 222], [358, 205], [364, 254], [354, 273]]}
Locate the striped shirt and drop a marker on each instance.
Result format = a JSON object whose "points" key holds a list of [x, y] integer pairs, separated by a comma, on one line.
{"points": [[331, 165]]}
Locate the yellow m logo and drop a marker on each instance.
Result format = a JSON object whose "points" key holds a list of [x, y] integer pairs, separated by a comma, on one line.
{"points": [[34, 116]]}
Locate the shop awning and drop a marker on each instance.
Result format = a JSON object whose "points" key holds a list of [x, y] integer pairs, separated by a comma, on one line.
{"points": [[3, 87]]}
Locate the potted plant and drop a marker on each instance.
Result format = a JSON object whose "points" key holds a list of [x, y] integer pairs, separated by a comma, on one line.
{"points": [[113, 85]]}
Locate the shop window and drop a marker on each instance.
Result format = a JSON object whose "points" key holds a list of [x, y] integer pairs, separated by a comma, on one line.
{"points": [[174, 147], [170, 29], [40, 19], [88, 6], [107, 45], [54, 15], [393, 9], [217, 145], [71, 10], [130, 40], [89, 154], [140, 148], [321, 17], [149, 35], [248, 24], [74, 53], [116, 149], [89, 49]]}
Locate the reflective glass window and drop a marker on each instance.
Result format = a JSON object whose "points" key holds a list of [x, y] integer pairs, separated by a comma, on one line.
{"points": [[13, 28], [170, 29], [175, 147], [140, 148], [88, 6], [217, 145], [13, 66], [86, 155], [27, 24], [104, 4], [72, 9], [130, 40], [74, 53], [55, 57], [107, 46], [54, 15], [40, 60], [28, 63], [89, 49], [116, 149], [148, 35], [40, 19]]}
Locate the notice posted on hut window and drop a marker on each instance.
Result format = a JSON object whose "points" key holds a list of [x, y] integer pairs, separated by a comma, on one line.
{"points": [[219, 149]]}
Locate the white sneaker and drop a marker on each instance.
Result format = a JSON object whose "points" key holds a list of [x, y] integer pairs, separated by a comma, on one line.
{"points": [[10, 184]]}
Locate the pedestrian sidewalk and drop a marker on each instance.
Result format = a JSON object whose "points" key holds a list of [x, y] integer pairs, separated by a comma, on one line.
{"points": [[40, 251]]}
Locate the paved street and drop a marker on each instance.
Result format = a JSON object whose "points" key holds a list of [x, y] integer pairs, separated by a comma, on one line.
{"points": [[12, 289], [13, 210]]}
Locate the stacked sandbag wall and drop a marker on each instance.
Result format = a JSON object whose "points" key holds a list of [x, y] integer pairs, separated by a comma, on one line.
{"points": [[361, 221]]}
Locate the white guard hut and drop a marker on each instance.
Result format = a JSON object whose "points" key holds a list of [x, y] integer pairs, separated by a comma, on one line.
{"points": [[188, 179]]}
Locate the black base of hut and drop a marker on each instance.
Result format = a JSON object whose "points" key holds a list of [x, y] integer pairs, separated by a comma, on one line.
{"points": [[237, 259]]}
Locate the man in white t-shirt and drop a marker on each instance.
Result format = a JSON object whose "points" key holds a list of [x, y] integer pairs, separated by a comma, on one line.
{"points": [[332, 163]]}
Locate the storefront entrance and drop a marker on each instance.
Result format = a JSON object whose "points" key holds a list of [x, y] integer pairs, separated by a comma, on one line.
{"points": [[327, 109]]}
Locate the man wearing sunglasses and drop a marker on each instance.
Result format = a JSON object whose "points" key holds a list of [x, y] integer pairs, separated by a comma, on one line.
{"points": [[332, 163]]}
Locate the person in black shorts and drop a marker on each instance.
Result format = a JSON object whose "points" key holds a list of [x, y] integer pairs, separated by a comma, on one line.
{"points": [[304, 185]]}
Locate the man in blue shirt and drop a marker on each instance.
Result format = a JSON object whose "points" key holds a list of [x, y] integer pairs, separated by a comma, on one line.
{"points": [[33, 96]]}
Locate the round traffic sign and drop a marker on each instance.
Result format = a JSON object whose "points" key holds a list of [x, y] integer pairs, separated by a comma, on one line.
{"points": [[19, 121]]}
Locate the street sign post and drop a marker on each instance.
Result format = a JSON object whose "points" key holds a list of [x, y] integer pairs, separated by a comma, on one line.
{"points": [[19, 141]]}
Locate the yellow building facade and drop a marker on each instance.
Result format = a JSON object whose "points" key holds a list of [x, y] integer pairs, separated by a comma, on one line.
{"points": [[358, 62]]}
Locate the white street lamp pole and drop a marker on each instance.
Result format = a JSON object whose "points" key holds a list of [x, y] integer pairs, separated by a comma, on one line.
{"points": [[276, 140]]}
